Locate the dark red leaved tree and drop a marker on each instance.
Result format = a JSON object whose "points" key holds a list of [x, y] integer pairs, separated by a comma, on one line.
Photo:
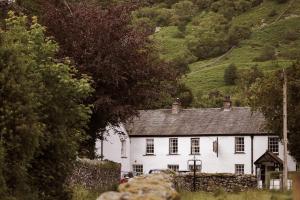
{"points": [[127, 74]]}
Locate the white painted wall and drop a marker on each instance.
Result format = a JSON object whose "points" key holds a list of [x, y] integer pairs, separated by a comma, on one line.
{"points": [[112, 148], [224, 163], [260, 144]]}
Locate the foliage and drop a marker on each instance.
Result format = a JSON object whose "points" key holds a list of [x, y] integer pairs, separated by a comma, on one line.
{"points": [[291, 35], [127, 74], [230, 75], [80, 193], [159, 16], [255, 195], [207, 36], [267, 98], [268, 53], [41, 111], [238, 33], [246, 79]]}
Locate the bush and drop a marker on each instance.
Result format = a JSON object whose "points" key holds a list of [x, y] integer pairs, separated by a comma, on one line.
{"points": [[268, 53], [230, 75], [273, 13], [291, 35], [238, 33]]}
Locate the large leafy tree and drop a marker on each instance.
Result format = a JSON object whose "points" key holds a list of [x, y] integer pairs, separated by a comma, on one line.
{"points": [[42, 117], [127, 74], [267, 97]]}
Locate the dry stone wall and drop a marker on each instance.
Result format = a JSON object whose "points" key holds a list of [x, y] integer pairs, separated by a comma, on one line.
{"points": [[148, 187], [95, 175], [213, 182]]}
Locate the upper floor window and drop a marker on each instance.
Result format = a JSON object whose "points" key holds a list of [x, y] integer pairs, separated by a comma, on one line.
{"points": [[123, 148], [149, 146], [195, 146], [173, 146], [174, 167], [137, 169], [239, 169], [273, 144], [239, 145]]}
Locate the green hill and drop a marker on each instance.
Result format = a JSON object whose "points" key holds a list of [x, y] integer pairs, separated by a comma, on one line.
{"points": [[271, 23]]}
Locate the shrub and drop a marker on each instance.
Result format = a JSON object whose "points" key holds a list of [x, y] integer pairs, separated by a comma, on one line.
{"points": [[230, 75], [273, 13], [291, 35], [281, 1], [238, 33], [268, 53]]}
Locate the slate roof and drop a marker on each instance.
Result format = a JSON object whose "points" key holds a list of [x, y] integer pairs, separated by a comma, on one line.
{"points": [[268, 157], [189, 122]]}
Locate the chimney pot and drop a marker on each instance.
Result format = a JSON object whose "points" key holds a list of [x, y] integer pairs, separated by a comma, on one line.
{"points": [[176, 106], [227, 104]]}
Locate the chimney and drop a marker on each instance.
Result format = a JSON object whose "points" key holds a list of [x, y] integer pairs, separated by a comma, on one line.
{"points": [[176, 107], [227, 104]]}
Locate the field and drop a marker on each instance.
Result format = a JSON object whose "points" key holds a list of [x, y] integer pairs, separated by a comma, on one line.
{"points": [[249, 195]]}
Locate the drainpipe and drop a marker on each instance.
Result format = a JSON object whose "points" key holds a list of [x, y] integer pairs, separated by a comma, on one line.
{"points": [[252, 170]]}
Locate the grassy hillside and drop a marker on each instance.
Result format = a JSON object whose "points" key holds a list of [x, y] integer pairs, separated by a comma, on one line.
{"points": [[270, 24]]}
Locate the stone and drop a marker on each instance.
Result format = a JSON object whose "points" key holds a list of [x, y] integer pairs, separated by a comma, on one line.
{"points": [[149, 187]]}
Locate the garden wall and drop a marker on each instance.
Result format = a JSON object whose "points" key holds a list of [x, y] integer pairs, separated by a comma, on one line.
{"points": [[95, 175], [213, 182]]}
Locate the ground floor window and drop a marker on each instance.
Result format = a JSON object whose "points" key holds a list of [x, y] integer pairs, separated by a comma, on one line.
{"points": [[298, 167], [198, 168], [137, 169], [239, 169], [174, 167]]}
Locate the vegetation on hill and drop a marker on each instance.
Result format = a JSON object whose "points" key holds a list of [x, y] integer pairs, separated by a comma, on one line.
{"points": [[211, 35]]}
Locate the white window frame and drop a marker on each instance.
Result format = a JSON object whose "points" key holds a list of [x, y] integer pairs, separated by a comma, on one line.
{"points": [[173, 167], [195, 147], [123, 148], [198, 168], [149, 146], [239, 169], [138, 169], [173, 146], [273, 146], [239, 143]]}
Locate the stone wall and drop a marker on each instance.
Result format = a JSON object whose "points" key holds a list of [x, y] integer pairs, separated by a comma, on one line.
{"points": [[213, 182], [148, 187], [95, 175]]}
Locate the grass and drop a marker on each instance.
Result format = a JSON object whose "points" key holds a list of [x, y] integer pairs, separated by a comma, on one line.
{"points": [[80, 193], [203, 78], [248, 195]]}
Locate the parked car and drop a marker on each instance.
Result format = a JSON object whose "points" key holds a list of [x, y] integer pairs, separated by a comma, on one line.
{"points": [[126, 177], [156, 171]]}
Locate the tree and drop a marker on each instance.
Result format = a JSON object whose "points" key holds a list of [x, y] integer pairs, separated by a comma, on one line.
{"points": [[127, 74], [41, 112], [267, 98], [230, 75]]}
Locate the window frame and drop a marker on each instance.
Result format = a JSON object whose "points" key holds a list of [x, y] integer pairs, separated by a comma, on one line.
{"points": [[239, 147], [151, 146], [272, 146], [123, 149], [198, 168], [193, 152], [171, 166], [138, 172], [239, 169], [172, 146]]}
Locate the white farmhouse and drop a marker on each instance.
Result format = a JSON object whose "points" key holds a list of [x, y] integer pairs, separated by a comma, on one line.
{"points": [[224, 140]]}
